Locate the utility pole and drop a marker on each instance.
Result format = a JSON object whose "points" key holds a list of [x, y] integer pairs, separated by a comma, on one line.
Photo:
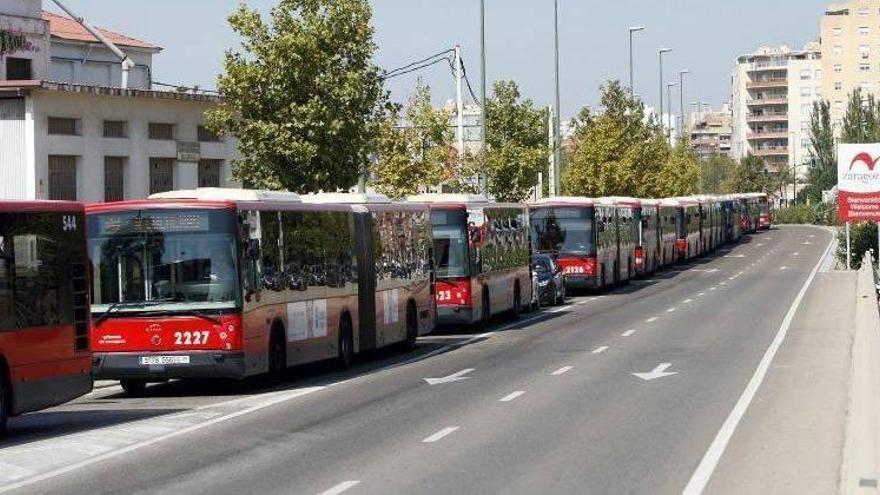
{"points": [[557, 143], [633, 29], [459, 102], [484, 179], [669, 87], [551, 139], [662, 52], [681, 74]]}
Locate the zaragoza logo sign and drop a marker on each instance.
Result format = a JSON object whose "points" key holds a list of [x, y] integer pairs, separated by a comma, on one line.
{"points": [[858, 179]]}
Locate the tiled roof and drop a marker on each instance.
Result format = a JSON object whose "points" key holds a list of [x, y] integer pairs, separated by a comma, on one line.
{"points": [[67, 29]]}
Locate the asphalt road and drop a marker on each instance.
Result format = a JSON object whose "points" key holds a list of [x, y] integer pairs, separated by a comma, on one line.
{"points": [[549, 404]]}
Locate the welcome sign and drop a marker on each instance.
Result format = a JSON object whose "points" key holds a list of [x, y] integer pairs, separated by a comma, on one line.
{"points": [[858, 179]]}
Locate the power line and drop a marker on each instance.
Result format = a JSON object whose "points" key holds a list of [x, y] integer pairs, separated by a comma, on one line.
{"points": [[413, 69], [392, 73], [468, 82]]}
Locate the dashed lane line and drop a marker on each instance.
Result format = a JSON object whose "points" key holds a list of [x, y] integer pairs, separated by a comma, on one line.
{"points": [[563, 370], [600, 350], [512, 396], [436, 437], [628, 333], [652, 319], [341, 488]]}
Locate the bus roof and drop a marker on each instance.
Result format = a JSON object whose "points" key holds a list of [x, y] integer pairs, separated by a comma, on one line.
{"points": [[346, 198], [39, 205], [620, 201], [229, 194], [563, 201], [437, 198]]}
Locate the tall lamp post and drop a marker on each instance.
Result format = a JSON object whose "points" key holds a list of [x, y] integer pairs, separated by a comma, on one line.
{"points": [[669, 87], [484, 173], [632, 30], [557, 144], [662, 52], [681, 74]]}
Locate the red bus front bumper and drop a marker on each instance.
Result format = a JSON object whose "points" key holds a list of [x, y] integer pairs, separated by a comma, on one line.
{"points": [[581, 282], [182, 364], [456, 315]]}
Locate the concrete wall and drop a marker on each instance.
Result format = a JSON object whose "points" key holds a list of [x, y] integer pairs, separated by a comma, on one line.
{"points": [[90, 147], [91, 64], [36, 31]]}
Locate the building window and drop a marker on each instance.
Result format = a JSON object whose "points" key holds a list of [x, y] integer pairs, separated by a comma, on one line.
{"points": [[865, 52], [161, 175], [161, 132], [115, 129], [63, 126], [62, 177], [818, 74], [838, 86], [863, 68], [114, 178], [863, 11], [838, 31], [864, 30], [818, 92], [806, 91], [207, 135], [18, 69], [209, 173], [806, 74], [838, 68], [805, 143]]}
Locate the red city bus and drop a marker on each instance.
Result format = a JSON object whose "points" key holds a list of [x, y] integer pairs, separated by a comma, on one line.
{"points": [[761, 205], [688, 226], [227, 283], [648, 221], [626, 228], [668, 231], [45, 358], [481, 257]]}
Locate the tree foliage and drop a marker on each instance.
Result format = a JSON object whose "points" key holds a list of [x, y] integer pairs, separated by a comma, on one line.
{"points": [[822, 171], [717, 173], [861, 123], [618, 151], [417, 154], [302, 94], [751, 175]]}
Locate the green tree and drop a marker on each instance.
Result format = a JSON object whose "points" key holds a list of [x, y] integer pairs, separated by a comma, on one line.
{"points": [[680, 173], [302, 94], [822, 171], [418, 154], [861, 123], [617, 151], [716, 174], [752, 176]]}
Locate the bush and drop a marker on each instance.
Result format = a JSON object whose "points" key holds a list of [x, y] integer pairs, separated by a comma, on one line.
{"points": [[815, 214], [864, 238]]}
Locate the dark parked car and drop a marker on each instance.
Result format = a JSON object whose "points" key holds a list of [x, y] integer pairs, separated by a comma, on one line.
{"points": [[550, 280]]}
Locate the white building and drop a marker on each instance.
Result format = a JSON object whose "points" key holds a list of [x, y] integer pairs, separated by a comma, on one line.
{"points": [[773, 91], [67, 131]]}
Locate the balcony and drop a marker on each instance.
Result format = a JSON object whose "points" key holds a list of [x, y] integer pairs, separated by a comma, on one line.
{"points": [[768, 83], [764, 135], [767, 117], [776, 100], [771, 151]]}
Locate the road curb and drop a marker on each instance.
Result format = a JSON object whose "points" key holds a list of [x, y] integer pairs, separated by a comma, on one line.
{"points": [[860, 470]]}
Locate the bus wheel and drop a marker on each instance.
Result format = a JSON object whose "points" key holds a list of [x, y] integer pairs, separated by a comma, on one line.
{"points": [[5, 401], [277, 354], [134, 387], [412, 327], [346, 343]]}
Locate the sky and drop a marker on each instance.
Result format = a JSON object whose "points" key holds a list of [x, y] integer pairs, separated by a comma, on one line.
{"points": [[706, 36]]}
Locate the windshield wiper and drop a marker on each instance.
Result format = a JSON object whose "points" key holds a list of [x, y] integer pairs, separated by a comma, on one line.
{"points": [[115, 307]]}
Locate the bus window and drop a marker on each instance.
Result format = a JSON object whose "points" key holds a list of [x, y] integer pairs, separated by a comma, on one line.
{"points": [[450, 244]]}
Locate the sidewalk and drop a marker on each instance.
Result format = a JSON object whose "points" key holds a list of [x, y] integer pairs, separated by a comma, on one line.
{"points": [[791, 439]]}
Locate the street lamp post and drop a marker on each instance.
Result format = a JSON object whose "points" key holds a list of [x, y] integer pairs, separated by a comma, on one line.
{"points": [[669, 87], [633, 29], [662, 52], [681, 74], [484, 173], [557, 144]]}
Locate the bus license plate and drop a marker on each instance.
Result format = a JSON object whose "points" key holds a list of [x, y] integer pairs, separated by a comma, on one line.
{"points": [[158, 360]]}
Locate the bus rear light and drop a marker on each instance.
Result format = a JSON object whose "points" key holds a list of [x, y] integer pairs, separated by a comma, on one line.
{"points": [[682, 246], [453, 292], [640, 256]]}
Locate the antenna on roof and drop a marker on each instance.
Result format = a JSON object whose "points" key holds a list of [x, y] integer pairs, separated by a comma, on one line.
{"points": [[127, 63]]}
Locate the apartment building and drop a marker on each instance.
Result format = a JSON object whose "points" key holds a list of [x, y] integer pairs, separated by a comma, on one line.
{"points": [[710, 132], [68, 131], [850, 52], [773, 91]]}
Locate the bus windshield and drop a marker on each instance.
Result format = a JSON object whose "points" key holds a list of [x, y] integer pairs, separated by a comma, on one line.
{"points": [[566, 230], [450, 244], [763, 206], [166, 259]]}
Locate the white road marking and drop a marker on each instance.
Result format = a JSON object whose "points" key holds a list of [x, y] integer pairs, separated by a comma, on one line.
{"points": [[564, 369], [342, 487], [713, 288], [783, 268], [722, 283], [707, 465], [734, 277], [628, 333], [795, 254], [688, 301], [806, 243], [440, 434], [671, 310], [512, 396], [455, 377], [558, 309], [652, 319], [759, 244], [600, 350], [657, 372], [701, 294]]}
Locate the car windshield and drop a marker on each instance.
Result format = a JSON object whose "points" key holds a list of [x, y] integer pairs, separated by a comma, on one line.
{"points": [[542, 264], [167, 259], [450, 244], [563, 230]]}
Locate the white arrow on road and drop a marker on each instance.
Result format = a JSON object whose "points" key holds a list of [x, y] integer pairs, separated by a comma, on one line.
{"points": [[455, 377], [658, 372]]}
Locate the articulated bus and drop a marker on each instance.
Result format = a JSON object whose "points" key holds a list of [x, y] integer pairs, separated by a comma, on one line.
{"points": [[667, 232], [689, 244], [731, 211], [481, 257], [228, 283], [760, 204], [45, 359]]}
